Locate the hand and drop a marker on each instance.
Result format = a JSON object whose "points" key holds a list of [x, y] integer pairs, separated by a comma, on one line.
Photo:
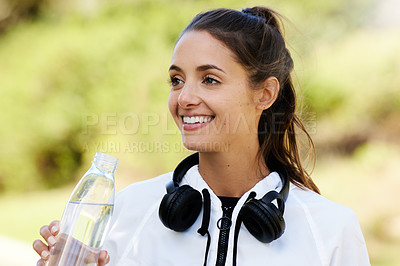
{"points": [[49, 233]]}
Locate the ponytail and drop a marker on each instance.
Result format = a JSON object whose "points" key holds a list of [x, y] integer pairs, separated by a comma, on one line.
{"points": [[277, 137]]}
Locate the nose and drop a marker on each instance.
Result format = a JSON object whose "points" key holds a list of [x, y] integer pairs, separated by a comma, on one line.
{"points": [[188, 97]]}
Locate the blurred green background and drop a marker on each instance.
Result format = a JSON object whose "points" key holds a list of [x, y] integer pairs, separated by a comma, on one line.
{"points": [[82, 76]]}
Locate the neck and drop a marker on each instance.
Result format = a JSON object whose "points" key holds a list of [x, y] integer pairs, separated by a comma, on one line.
{"points": [[231, 174]]}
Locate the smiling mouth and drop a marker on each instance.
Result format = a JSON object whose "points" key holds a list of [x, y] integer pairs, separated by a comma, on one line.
{"points": [[196, 119]]}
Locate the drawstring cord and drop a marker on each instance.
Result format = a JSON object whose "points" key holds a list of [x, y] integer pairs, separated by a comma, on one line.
{"points": [[203, 230], [237, 230], [235, 239]]}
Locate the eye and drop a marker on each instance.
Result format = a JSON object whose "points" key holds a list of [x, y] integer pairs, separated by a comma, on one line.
{"points": [[174, 81], [210, 81]]}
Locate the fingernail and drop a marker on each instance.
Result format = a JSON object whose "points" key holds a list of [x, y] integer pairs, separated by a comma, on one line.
{"points": [[54, 229], [51, 240], [44, 254]]}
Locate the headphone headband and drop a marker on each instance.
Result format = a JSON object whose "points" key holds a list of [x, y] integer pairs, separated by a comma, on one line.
{"points": [[284, 175], [183, 167], [181, 170]]}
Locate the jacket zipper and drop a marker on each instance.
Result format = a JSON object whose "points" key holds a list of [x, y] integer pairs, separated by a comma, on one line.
{"points": [[224, 225]]}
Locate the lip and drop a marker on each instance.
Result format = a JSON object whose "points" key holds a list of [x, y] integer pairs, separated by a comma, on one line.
{"points": [[195, 126], [193, 114]]}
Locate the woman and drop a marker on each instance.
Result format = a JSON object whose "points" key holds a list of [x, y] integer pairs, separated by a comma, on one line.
{"points": [[245, 198]]}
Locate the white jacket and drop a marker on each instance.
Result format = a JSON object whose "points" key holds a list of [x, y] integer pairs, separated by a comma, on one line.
{"points": [[318, 231]]}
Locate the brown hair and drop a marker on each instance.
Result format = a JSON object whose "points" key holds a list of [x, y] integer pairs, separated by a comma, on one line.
{"points": [[254, 36]]}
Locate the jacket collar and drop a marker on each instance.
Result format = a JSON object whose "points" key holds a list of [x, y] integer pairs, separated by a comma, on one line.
{"points": [[268, 183]]}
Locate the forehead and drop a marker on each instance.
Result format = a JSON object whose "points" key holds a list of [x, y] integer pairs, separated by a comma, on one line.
{"points": [[200, 47]]}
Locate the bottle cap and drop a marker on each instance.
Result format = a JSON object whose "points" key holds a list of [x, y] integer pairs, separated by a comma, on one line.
{"points": [[105, 162]]}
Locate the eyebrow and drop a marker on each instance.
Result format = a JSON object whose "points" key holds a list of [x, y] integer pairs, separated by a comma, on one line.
{"points": [[199, 68], [207, 67], [174, 67]]}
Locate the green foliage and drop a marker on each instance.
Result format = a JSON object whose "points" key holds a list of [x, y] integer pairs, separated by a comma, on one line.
{"points": [[357, 71], [55, 72]]}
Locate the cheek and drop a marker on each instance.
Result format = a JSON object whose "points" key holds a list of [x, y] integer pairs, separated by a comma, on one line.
{"points": [[244, 117], [173, 104]]}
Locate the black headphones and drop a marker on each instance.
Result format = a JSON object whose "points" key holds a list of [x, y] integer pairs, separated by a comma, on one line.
{"points": [[181, 206]]}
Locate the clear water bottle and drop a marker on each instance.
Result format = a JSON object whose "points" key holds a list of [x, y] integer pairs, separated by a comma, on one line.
{"points": [[86, 218]]}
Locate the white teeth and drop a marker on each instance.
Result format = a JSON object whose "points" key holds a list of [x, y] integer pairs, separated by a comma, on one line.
{"points": [[196, 119]]}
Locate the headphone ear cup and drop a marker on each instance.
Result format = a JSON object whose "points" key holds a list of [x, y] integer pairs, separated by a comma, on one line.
{"points": [[263, 220], [180, 209]]}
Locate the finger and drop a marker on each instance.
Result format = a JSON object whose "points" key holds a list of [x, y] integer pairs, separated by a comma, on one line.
{"points": [[54, 227], [40, 263], [41, 249], [104, 258], [47, 235], [108, 258]]}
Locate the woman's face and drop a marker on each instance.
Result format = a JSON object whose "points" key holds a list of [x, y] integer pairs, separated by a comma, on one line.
{"points": [[210, 100]]}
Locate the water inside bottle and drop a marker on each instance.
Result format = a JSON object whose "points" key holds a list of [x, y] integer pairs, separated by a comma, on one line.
{"points": [[81, 245], [86, 217]]}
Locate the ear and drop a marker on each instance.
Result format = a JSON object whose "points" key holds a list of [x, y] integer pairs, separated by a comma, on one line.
{"points": [[268, 93]]}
